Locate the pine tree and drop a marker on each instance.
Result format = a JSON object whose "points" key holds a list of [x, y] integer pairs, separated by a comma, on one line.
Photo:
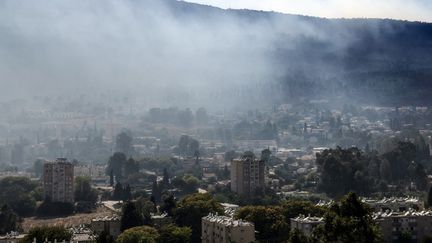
{"points": [[130, 217]]}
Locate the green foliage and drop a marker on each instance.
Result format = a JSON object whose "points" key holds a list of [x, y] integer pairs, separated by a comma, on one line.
{"points": [[38, 167], [54, 209], [187, 146], [296, 236], [83, 190], [115, 165], [131, 216], [168, 205], [141, 234], [9, 221], [188, 183], [345, 170], [192, 208], [124, 143], [342, 171], [104, 237], [50, 233], [269, 222], [173, 234], [348, 221], [24, 192], [429, 197], [294, 208]]}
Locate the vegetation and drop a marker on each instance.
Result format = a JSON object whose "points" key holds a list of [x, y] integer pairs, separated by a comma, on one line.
{"points": [[145, 234], [49, 233], [192, 208], [348, 221], [24, 192], [9, 220]]}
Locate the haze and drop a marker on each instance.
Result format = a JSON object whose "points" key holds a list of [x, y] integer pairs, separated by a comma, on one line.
{"points": [[413, 10]]}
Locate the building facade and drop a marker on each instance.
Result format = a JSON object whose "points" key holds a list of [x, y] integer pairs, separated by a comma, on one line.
{"points": [[395, 204], [111, 225], [306, 225], [223, 229], [415, 225], [247, 175], [58, 181]]}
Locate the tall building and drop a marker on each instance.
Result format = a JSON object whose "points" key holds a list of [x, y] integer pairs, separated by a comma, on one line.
{"points": [[58, 181], [247, 175], [223, 229]]}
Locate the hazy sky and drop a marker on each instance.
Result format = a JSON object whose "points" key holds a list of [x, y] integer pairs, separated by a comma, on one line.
{"points": [[419, 10]]}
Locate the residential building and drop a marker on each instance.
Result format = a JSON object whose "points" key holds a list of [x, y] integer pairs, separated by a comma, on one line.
{"points": [[247, 175], [395, 204], [58, 181], [416, 225], [223, 229], [306, 224], [107, 224]]}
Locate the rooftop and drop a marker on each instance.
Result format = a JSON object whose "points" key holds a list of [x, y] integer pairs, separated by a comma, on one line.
{"points": [[227, 221]]}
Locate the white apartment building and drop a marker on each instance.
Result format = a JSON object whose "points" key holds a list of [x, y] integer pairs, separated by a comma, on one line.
{"points": [[223, 229]]}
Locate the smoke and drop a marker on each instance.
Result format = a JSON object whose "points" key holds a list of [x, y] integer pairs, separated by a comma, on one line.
{"points": [[148, 49], [170, 53], [413, 10]]}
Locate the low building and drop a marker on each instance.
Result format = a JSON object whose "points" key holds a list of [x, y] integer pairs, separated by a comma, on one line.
{"points": [[416, 225], [110, 225], [395, 204], [223, 229], [306, 224]]}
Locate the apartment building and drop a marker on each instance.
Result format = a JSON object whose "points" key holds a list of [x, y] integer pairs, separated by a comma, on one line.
{"points": [[247, 175], [58, 181], [223, 229]]}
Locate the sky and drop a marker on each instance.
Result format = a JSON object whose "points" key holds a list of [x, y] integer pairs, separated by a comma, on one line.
{"points": [[413, 10]]}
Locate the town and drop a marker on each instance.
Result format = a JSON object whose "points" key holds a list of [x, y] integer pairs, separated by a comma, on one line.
{"points": [[215, 121], [178, 175]]}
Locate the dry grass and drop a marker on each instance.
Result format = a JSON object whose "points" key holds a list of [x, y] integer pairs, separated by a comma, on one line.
{"points": [[69, 221]]}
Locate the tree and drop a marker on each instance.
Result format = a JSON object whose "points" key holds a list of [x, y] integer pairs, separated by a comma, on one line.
{"points": [[118, 193], [230, 155], [265, 155], [156, 192], [23, 201], [9, 221], [174, 234], [130, 167], [269, 222], [296, 236], [168, 205], [38, 167], [429, 198], [124, 143], [185, 117], [54, 209], [349, 220], [201, 116], [83, 190], [192, 208], [141, 234], [111, 178], [104, 237], [293, 208], [115, 164], [49, 233], [165, 179], [131, 217], [188, 146]]}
